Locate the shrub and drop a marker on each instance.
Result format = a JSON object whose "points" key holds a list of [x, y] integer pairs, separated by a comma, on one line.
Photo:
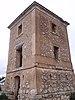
{"points": [[0, 88], [3, 97], [72, 97]]}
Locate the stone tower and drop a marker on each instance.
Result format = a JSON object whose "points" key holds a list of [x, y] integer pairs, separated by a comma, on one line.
{"points": [[39, 62]]}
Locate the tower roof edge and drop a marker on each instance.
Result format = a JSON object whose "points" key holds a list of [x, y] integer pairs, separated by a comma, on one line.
{"points": [[41, 7]]}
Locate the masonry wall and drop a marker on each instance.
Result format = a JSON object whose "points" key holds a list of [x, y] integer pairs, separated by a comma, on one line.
{"points": [[54, 77], [48, 39], [27, 71], [26, 37], [42, 77]]}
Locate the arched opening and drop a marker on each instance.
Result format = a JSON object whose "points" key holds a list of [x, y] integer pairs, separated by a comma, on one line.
{"points": [[17, 86]]}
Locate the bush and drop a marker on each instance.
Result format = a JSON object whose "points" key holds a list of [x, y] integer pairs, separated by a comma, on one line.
{"points": [[0, 88], [3, 97], [72, 97]]}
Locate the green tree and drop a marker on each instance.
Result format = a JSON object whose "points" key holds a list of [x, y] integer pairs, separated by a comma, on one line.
{"points": [[72, 97], [0, 88], [3, 97]]}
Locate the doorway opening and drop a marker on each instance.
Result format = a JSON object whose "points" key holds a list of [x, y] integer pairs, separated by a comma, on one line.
{"points": [[17, 86]]}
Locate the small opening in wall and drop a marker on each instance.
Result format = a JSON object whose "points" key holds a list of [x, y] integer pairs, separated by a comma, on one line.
{"points": [[53, 27], [20, 29], [56, 49], [23, 76]]}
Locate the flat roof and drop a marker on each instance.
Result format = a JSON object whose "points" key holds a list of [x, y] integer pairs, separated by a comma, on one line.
{"points": [[41, 7]]}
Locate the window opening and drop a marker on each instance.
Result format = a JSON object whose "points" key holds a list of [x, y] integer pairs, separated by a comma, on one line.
{"points": [[53, 27], [19, 57], [56, 49], [20, 29]]}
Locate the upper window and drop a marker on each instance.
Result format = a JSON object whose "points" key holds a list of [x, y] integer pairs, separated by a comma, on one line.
{"points": [[53, 27], [56, 49], [20, 29]]}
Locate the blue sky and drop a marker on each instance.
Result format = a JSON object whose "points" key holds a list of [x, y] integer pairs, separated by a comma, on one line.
{"points": [[10, 9]]}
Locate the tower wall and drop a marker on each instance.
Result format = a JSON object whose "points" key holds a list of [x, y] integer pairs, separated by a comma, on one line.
{"points": [[54, 76], [26, 40]]}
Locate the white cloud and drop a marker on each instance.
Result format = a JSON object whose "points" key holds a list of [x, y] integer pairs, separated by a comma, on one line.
{"points": [[3, 63]]}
